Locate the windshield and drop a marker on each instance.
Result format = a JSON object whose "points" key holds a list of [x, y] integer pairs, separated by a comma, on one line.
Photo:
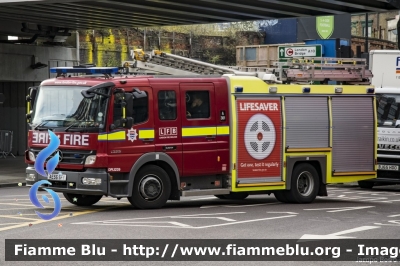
{"points": [[64, 106], [388, 110]]}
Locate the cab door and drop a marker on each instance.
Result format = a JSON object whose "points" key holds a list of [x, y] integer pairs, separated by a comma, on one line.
{"points": [[125, 146], [198, 130]]}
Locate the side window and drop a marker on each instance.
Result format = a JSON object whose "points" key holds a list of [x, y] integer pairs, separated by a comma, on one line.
{"points": [[197, 104], [140, 110], [167, 105], [117, 112]]}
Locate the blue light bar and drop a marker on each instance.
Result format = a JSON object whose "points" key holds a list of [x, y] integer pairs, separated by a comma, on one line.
{"points": [[88, 70]]}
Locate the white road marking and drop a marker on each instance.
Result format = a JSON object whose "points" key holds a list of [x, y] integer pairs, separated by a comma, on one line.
{"points": [[340, 209], [284, 212], [395, 215], [338, 235], [239, 206], [189, 227]]}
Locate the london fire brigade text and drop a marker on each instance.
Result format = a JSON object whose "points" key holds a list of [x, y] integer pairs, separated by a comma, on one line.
{"points": [[258, 106]]}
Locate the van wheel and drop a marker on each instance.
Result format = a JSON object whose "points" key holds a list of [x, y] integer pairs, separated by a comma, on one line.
{"points": [[82, 200], [281, 196], [151, 188], [365, 184], [304, 184]]}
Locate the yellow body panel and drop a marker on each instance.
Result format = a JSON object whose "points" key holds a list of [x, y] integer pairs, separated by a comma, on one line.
{"points": [[253, 85]]}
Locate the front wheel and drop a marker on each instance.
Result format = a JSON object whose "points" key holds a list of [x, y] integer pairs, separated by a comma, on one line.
{"points": [[82, 200], [151, 188], [304, 184]]}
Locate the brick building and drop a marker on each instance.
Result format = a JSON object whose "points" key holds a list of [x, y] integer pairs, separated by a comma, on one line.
{"points": [[382, 31]]}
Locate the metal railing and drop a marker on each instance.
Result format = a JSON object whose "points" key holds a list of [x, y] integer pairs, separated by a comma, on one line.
{"points": [[6, 139]]}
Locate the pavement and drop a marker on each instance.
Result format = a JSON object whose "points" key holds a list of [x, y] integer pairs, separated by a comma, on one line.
{"points": [[12, 171]]}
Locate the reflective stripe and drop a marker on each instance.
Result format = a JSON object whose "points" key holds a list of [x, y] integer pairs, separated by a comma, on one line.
{"points": [[102, 137], [198, 131], [119, 135], [223, 130], [146, 133]]}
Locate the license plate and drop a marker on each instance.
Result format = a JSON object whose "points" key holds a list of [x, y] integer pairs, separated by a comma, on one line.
{"points": [[57, 177], [388, 167]]}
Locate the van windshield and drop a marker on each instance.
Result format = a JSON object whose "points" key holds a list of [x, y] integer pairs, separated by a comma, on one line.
{"points": [[388, 110]]}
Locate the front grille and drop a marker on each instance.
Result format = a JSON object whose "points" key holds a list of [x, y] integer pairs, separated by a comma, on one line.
{"points": [[70, 156]]}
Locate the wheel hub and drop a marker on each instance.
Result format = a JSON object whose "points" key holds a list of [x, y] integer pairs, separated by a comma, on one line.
{"points": [[305, 183], [150, 188]]}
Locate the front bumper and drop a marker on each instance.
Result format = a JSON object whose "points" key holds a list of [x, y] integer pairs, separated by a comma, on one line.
{"points": [[74, 184]]}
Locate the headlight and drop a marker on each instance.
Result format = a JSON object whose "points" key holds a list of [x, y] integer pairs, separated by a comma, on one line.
{"points": [[91, 181], [31, 156], [91, 159], [30, 177]]}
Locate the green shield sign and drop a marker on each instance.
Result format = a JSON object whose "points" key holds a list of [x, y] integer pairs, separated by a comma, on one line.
{"points": [[325, 26]]}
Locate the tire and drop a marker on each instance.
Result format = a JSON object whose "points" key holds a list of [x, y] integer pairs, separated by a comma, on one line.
{"points": [[304, 184], [82, 200], [365, 184], [151, 188], [220, 196], [281, 196]]}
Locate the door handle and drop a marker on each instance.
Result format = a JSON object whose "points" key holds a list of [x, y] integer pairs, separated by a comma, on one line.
{"points": [[211, 137], [147, 140]]}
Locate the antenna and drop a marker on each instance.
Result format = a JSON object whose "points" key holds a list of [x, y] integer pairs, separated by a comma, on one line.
{"points": [[382, 80]]}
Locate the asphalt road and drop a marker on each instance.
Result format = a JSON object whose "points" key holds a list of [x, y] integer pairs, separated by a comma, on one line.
{"points": [[348, 211]]}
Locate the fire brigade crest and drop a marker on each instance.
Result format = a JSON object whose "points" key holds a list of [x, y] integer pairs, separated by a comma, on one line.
{"points": [[132, 134], [259, 136]]}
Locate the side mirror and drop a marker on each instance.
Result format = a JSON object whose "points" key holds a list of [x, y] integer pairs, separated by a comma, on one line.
{"points": [[32, 96], [29, 115], [1, 98], [128, 110]]}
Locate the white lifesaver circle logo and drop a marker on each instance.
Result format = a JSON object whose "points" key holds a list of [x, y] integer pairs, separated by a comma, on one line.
{"points": [[260, 136]]}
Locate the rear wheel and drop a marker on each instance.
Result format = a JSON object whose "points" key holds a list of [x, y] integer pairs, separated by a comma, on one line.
{"points": [[281, 196], [304, 184], [366, 184], [151, 188], [82, 200]]}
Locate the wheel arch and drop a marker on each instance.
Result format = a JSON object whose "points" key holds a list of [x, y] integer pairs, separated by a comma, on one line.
{"points": [[319, 162], [162, 160]]}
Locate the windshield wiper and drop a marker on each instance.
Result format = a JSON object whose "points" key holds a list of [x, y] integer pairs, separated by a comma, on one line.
{"points": [[73, 124], [41, 124]]}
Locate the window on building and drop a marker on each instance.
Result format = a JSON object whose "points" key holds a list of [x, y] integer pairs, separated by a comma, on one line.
{"points": [[198, 104], [392, 35], [167, 105], [369, 32]]}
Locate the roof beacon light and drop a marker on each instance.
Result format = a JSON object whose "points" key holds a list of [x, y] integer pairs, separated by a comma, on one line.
{"points": [[238, 89], [84, 70], [338, 90], [306, 90], [370, 90], [273, 89]]}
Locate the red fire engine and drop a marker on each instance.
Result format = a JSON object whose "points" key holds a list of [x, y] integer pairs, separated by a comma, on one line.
{"points": [[158, 138]]}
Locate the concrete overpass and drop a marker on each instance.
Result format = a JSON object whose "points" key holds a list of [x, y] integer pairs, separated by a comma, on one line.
{"points": [[97, 14], [27, 65]]}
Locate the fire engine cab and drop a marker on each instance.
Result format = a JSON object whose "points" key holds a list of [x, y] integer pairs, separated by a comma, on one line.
{"points": [[155, 138]]}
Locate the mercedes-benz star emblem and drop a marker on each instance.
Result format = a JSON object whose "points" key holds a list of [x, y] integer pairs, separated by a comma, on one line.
{"points": [[60, 154]]}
